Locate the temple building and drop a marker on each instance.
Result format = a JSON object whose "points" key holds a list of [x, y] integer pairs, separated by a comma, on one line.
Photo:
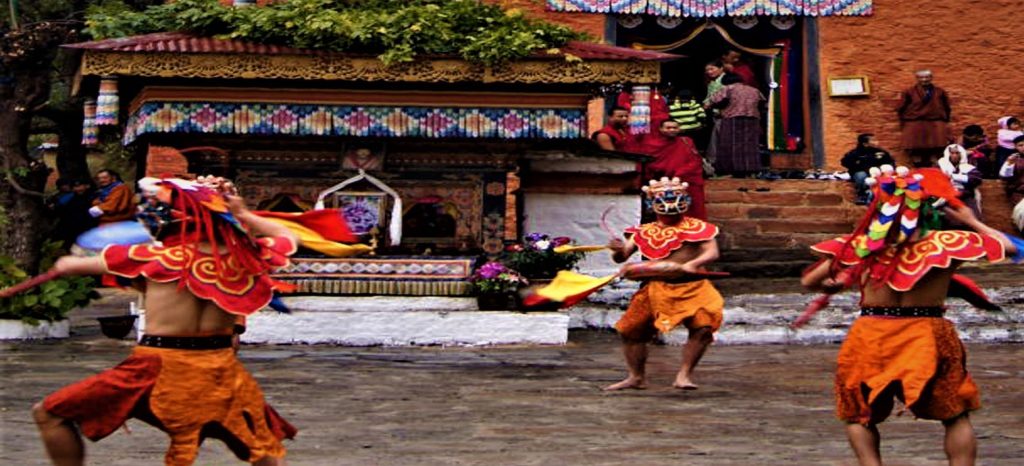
{"points": [[436, 163]]}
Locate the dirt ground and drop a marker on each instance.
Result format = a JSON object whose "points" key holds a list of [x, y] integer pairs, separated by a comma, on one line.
{"points": [[758, 405]]}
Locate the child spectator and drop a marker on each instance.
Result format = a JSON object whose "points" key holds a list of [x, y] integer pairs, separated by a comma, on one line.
{"points": [[1009, 129], [687, 112], [1013, 172], [979, 151], [858, 161]]}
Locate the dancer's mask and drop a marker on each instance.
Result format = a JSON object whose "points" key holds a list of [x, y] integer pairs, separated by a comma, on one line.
{"points": [[667, 196]]}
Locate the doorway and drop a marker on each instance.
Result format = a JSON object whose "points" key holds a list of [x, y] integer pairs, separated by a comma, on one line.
{"points": [[771, 46]]}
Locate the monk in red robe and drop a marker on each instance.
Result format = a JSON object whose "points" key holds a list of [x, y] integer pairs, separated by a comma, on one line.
{"points": [[924, 118], [615, 135], [676, 156]]}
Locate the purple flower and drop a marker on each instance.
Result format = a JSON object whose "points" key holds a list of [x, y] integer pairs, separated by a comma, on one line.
{"points": [[492, 270], [534, 237]]}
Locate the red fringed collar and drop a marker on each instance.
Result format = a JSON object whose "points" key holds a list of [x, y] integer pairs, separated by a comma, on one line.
{"points": [[656, 240], [233, 289], [905, 265]]}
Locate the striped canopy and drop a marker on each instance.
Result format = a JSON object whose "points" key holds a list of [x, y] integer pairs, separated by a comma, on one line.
{"points": [[713, 8]]}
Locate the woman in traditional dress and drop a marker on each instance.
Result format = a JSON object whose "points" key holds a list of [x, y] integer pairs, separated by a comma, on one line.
{"points": [[739, 131]]}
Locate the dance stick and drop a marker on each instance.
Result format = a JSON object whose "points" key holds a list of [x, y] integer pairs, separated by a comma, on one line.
{"points": [[604, 222], [28, 284]]}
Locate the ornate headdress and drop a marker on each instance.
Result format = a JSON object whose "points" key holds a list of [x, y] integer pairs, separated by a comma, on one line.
{"points": [[904, 203], [667, 196], [201, 215]]}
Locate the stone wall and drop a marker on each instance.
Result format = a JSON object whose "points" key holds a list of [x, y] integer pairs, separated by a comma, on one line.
{"points": [[972, 46]]}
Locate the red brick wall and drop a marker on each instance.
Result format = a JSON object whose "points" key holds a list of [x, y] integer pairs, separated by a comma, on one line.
{"points": [[972, 46], [591, 24]]}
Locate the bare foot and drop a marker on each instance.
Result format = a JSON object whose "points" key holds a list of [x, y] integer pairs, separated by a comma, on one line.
{"points": [[635, 383], [684, 383]]}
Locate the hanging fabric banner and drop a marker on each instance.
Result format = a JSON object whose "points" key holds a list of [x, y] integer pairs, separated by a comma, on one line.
{"points": [[107, 103], [717, 8], [90, 132]]}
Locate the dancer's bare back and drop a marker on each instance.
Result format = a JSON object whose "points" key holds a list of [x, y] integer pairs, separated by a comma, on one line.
{"points": [[929, 291]]}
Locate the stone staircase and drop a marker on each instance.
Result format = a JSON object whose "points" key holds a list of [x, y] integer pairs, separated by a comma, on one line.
{"points": [[768, 225]]}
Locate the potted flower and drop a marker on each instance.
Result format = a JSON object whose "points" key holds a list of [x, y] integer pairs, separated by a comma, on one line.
{"points": [[536, 259], [41, 312], [496, 286]]}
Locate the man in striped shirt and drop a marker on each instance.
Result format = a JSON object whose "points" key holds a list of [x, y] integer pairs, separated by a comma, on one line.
{"points": [[687, 112]]}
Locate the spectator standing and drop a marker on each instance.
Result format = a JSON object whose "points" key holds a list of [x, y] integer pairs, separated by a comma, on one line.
{"points": [[924, 114], [737, 149], [62, 196], [73, 218], [113, 200], [1012, 172], [713, 73], [1009, 129], [733, 61], [676, 156], [687, 112], [859, 161], [615, 134], [979, 151], [966, 178]]}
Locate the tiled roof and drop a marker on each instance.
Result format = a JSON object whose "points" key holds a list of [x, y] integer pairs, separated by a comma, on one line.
{"points": [[178, 42]]}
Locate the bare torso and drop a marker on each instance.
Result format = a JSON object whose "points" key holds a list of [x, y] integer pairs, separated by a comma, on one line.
{"points": [[174, 312], [930, 290]]}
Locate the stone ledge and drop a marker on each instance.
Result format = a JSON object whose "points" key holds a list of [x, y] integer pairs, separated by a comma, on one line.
{"points": [[383, 328], [379, 303], [18, 330]]}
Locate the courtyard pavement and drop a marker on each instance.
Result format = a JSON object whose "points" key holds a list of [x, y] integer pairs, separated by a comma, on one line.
{"points": [[757, 405]]}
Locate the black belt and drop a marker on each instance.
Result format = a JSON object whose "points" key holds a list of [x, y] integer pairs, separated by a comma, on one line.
{"points": [[196, 343], [908, 311]]}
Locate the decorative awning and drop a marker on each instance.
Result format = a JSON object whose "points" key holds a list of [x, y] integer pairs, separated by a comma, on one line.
{"points": [[285, 119], [181, 55], [716, 8]]}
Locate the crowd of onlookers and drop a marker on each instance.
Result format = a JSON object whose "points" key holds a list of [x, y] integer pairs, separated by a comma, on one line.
{"points": [[727, 125], [82, 204]]}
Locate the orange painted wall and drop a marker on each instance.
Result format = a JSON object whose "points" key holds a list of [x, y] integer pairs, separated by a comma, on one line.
{"points": [[974, 47], [587, 23]]}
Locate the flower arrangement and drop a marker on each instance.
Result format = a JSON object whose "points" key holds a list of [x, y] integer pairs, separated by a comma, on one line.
{"points": [[496, 278], [535, 256]]}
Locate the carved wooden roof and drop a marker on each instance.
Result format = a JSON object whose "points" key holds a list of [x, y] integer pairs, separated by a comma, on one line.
{"points": [[181, 55]]}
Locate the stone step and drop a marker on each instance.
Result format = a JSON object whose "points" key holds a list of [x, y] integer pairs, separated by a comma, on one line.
{"points": [[782, 198], [765, 319], [730, 184]]}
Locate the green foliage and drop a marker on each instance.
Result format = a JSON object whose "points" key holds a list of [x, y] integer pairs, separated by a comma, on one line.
{"points": [[396, 31], [50, 301]]}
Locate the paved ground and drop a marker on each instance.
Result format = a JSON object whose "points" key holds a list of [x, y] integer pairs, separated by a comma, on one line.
{"points": [[758, 405]]}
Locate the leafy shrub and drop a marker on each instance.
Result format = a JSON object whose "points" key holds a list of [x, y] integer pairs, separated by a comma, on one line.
{"points": [[535, 256], [50, 301], [394, 30]]}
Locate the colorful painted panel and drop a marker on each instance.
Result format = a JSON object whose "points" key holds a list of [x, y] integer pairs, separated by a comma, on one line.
{"points": [[362, 211], [714, 8], [419, 276], [362, 121]]}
